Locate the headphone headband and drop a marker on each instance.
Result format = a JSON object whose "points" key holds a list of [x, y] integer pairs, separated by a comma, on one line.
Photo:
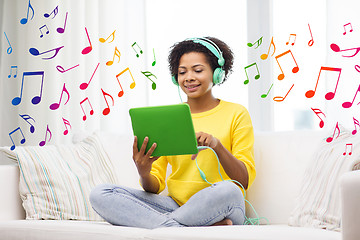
{"points": [[212, 48]]}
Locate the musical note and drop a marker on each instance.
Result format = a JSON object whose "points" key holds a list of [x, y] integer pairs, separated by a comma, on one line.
{"points": [[84, 85], [265, 95], [258, 43], [66, 123], [148, 75], [47, 30], [9, 50], [336, 48], [257, 76], [16, 101], [279, 98], [351, 28], [292, 36], [294, 70], [116, 53], [25, 20], [62, 70], [87, 49], [91, 108], [349, 104], [154, 62], [55, 106], [27, 117], [311, 41], [317, 112], [132, 85], [106, 111], [15, 69], [55, 11], [22, 141], [329, 95], [329, 139], [356, 122], [357, 68], [265, 55], [102, 40], [141, 51], [36, 52], [351, 147], [60, 29], [42, 143]]}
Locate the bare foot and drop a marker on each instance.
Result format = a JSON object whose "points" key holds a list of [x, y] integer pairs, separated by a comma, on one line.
{"points": [[226, 221]]}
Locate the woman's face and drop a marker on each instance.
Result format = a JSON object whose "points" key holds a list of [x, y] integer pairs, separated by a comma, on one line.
{"points": [[195, 76]]}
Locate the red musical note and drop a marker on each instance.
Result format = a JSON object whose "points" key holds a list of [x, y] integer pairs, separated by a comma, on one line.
{"points": [[292, 36], [351, 147], [116, 53], [47, 30], [311, 41], [60, 29], [317, 112], [42, 143], [329, 95], [265, 56], [148, 75], [11, 68], [87, 49], [25, 20], [132, 85], [258, 43], [349, 104], [356, 122], [294, 70], [257, 76], [62, 70], [102, 40], [279, 98], [351, 28], [22, 141], [35, 100], [336, 48], [141, 51], [329, 139], [66, 123], [36, 52], [266, 94], [84, 85], [106, 111], [55, 106], [91, 108], [55, 11], [27, 117], [357, 68]]}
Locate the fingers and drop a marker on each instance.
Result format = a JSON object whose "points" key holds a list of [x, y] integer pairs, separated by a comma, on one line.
{"points": [[205, 139]]}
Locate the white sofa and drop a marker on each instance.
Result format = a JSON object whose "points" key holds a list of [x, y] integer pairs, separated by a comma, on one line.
{"points": [[273, 195]]}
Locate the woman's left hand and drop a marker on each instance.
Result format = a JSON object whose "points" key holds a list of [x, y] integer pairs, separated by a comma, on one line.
{"points": [[205, 139]]}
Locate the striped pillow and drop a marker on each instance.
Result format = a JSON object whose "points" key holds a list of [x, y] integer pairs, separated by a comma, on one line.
{"points": [[318, 204], [55, 181]]}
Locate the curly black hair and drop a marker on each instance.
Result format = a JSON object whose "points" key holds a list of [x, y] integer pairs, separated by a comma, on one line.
{"points": [[188, 45]]}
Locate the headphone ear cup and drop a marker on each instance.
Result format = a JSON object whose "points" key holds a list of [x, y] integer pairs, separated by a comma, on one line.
{"points": [[218, 76], [174, 80]]}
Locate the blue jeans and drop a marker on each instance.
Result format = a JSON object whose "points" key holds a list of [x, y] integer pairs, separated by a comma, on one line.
{"points": [[124, 206]]}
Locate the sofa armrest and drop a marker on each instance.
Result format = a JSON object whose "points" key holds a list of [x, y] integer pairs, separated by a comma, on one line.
{"points": [[10, 202], [350, 196]]}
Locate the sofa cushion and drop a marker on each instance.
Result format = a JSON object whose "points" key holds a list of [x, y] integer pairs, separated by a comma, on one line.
{"points": [[56, 180]]}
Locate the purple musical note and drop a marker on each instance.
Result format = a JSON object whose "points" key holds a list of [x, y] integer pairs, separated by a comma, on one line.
{"points": [[55, 106], [62, 30], [36, 52], [17, 100], [27, 117]]}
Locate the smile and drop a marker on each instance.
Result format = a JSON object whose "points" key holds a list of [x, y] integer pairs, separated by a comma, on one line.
{"points": [[192, 87]]}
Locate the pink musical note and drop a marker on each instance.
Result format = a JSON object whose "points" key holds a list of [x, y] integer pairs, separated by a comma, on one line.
{"points": [[329, 139], [311, 41], [35, 100], [55, 106], [351, 28], [139, 49], [292, 36], [87, 49], [329, 95], [42, 143], [265, 55], [66, 123], [258, 43], [55, 11], [349, 104], [148, 75], [62, 70], [91, 108], [279, 98], [132, 85], [116, 53], [25, 20], [62, 30], [27, 117], [15, 69], [356, 123], [257, 76], [22, 141], [336, 48], [106, 111], [84, 85], [294, 70], [36, 52], [317, 112], [102, 40], [47, 30], [351, 147]]}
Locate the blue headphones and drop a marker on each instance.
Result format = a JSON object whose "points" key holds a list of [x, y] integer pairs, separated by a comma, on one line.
{"points": [[219, 73]]}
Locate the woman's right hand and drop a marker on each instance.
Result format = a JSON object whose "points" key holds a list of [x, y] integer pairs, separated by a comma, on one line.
{"points": [[143, 161]]}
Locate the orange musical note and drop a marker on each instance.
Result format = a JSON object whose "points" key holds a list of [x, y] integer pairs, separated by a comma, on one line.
{"points": [[349, 104], [62, 70], [329, 139], [336, 48], [317, 112], [148, 75], [258, 43], [35, 100], [55, 106], [42, 143], [22, 141], [294, 70], [102, 40], [66, 123], [265, 55], [87, 49], [27, 117], [351, 147], [257, 76], [91, 108], [311, 41], [106, 111], [279, 98], [11, 68], [62, 29], [84, 85], [132, 85], [329, 95], [266, 94], [351, 28], [116, 53], [25, 20], [36, 52], [47, 30], [356, 122], [141, 51], [292, 36]]}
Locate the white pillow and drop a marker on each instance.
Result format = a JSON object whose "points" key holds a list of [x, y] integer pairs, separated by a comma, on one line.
{"points": [[56, 180], [318, 204]]}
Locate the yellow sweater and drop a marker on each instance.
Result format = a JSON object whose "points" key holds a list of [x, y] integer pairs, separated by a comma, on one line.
{"points": [[231, 124]]}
